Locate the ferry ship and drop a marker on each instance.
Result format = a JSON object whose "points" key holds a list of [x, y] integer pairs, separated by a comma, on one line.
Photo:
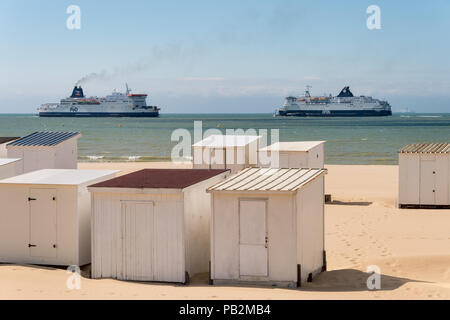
{"points": [[116, 104], [345, 104]]}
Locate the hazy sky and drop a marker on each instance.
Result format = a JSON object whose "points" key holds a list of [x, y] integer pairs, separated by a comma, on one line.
{"points": [[225, 56]]}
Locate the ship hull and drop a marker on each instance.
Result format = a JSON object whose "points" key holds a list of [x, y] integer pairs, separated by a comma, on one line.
{"points": [[334, 113], [100, 114]]}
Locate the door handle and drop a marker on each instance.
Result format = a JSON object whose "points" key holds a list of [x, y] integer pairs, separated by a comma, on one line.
{"points": [[31, 245], [32, 199]]}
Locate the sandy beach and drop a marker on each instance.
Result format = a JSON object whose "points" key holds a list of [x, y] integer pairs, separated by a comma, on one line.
{"points": [[363, 228]]}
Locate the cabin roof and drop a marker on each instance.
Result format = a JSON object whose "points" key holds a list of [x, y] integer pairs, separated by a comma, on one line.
{"points": [[426, 148], [44, 139], [221, 141], [59, 177], [268, 179], [160, 178], [7, 139], [292, 146]]}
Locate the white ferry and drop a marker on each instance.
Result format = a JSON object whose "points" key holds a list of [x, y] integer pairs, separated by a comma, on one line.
{"points": [[343, 105], [116, 104]]}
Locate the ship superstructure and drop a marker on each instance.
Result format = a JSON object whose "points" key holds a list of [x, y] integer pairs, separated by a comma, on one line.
{"points": [[345, 104], [117, 104]]}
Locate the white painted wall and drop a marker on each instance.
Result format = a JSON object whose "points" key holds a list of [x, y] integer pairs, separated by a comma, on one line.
{"points": [[313, 158], [66, 154], [167, 256], [316, 157], [181, 219], [11, 169], [61, 156], [197, 212], [311, 229], [281, 230], [417, 180], [15, 225], [3, 153], [233, 158], [295, 226], [73, 212]]}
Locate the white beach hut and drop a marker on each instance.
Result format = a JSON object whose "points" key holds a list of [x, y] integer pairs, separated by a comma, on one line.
{"points": [[3, 142], [424, 174], [10, 168], [234, 152], [294, 154], [45, 216], [46, 150], [267, 227], [152, 225]]}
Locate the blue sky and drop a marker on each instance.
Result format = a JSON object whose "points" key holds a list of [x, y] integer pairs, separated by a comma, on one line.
{"points": [[225, 56]]}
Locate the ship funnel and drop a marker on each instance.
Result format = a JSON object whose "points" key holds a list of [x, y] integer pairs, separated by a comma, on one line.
{"points": [[77, 92], [345, 93]]}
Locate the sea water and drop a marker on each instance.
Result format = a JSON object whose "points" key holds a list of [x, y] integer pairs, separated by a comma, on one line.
{"points": [[365, 140]]}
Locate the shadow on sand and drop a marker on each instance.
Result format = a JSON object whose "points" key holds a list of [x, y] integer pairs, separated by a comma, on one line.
{"points": [[346, 280], [350, 203]]}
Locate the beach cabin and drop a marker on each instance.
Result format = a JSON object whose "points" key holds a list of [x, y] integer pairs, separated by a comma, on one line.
{"points": [[45, 216], [153, 224], [234, 152], [3, 142], [46, 150], [267, 227], [294, 154], [424, 174], [10, 168]]}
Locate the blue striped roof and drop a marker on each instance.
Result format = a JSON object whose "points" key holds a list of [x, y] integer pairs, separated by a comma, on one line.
{"points": [[44, 139]]}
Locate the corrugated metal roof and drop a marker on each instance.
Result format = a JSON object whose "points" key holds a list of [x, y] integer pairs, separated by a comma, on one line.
{"points": [[7, 139], [221, 141], [268, 179], [4, 161], [292, 146], [60, 177], [160, 178], [44, 139], [426, 148]]}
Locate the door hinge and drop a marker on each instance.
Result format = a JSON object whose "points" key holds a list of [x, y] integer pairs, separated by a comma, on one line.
{"points": [[31, 199], [267, 242], [31, 245]]}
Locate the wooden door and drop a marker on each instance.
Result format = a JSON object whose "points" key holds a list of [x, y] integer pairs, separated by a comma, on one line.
{"points": [[427, 182], [43, 225], [253, 242], [152, 242], [137, 240]]}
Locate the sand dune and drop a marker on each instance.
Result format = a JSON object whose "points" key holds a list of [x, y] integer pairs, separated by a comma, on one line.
{"points": [[363, 228]]}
